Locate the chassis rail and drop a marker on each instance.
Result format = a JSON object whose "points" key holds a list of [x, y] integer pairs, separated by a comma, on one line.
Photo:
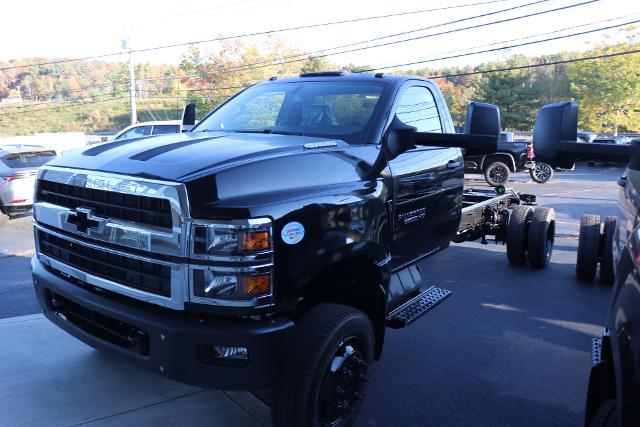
{"points": [[486, 212]]}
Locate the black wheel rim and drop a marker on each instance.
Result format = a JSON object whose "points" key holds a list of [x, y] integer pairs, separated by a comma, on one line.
{"points": [[343, 384], [542, 171], [498, 174]]}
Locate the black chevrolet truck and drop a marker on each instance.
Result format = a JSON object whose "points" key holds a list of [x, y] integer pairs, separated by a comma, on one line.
{"points": [[270, 246]]}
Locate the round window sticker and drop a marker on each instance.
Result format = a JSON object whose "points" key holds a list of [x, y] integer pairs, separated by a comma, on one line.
{"points": [[292, 233]]}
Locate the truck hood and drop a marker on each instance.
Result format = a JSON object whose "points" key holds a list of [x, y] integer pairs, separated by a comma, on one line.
{"points": [[183, 157]]}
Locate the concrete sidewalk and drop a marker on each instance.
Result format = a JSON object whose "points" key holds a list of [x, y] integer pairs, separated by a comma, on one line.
{"points": [[49, 378]]}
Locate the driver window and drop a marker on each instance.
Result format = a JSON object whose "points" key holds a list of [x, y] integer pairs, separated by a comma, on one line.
{"points": [[417, 107]]}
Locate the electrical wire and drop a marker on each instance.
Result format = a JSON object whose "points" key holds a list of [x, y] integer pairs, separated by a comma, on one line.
{"points": [[258, 65], [503, 47], [560, 30], [258, 33]]}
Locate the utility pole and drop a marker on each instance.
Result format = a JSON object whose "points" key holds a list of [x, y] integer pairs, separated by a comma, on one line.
{"points": [[132, 82]]}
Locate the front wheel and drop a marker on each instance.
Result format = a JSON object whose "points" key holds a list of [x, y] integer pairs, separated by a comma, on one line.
{"points": [[328, 369], [541, 173], [497, 173]]}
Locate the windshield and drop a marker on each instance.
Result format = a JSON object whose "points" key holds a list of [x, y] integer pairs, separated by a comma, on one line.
{"points": [[335, 109]]}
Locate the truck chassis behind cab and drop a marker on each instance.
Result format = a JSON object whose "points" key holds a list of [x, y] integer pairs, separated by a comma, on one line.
{"points": [[273, 244]]}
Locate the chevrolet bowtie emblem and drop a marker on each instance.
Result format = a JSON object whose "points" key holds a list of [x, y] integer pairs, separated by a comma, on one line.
{"points": [[83, 219]]}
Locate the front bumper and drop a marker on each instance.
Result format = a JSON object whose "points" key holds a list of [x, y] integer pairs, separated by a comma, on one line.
{"points": [[173, 341]]}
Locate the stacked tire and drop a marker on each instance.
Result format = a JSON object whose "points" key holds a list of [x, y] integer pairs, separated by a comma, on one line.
{"points": [[596, 247], [531, 235]]}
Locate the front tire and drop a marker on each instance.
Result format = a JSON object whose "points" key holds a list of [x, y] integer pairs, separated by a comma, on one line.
{"points": [[541, 173], [328, 369], [497, 173]]}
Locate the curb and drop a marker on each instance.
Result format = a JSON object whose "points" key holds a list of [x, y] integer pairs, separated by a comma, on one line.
{"points": [[28, 252], [19, 319]]}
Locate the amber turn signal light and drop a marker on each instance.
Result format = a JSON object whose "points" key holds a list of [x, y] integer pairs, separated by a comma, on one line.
{"points": [[255, 241], [256, 284]]}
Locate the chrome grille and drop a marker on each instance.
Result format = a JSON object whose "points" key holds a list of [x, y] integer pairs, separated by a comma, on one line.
{"points": [[135, 273], [125, 234], [110, 204]]}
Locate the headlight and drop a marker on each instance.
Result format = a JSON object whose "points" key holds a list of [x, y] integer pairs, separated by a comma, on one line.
{"points": [[230, 285], [235, 262], [236, 238]]}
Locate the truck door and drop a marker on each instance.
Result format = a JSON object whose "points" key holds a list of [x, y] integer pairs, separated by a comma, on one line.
{"points": [[427, 181]]}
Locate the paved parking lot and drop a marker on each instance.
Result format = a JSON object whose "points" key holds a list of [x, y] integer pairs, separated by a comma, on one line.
{"points": [[509, 347]]}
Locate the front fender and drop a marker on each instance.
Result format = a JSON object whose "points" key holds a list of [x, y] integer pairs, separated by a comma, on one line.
{"points": [[333, 233]]}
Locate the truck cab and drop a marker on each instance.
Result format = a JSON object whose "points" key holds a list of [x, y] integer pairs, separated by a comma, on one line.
{"points": [[266, 247]]}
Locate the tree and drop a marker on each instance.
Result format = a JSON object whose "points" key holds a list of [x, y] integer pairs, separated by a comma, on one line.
{"points": [[458, 98], [608, 90]]}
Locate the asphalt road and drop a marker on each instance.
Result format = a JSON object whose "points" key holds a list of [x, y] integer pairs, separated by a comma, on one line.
{"points": [[511, 346]]}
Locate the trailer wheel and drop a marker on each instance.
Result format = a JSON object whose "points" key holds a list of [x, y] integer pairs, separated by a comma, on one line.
{"points": [[517, 234], [327, 374], [541, 173], [542, 233], [588, 247], [607, 272], [497, 173]]}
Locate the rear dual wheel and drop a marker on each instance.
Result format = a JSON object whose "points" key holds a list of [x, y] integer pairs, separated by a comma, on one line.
{"points": [[530, 236], [595, 246]]}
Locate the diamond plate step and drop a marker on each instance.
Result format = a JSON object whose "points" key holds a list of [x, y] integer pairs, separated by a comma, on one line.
{"points": [[410, 311], [596, 351]]}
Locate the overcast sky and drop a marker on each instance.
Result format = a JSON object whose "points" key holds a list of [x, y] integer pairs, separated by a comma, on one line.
{"points": [[82, 28]]}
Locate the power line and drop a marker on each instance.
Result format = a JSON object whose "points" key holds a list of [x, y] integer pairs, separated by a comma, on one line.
{"points": [[431, 57], [442, 24], [258, 33], [259, 64], [19, 107], [504, 47], [69, 105], [346, 21], [265, 64], [543, 64], [488, 71]]}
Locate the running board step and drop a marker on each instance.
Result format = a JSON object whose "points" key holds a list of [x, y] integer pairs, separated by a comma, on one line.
{"points": [[410, 311], [596, 351]]}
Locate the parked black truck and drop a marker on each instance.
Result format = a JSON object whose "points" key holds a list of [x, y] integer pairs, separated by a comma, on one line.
{"points": [[273, 244], [511, 156]]}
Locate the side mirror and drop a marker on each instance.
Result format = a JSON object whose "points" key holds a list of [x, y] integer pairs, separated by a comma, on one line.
{"points": [[555, 139], [482, 125], [188, 117], [480, 136]]}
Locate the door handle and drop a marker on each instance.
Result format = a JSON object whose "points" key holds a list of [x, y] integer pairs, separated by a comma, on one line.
{"points": [[453, 164]]}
